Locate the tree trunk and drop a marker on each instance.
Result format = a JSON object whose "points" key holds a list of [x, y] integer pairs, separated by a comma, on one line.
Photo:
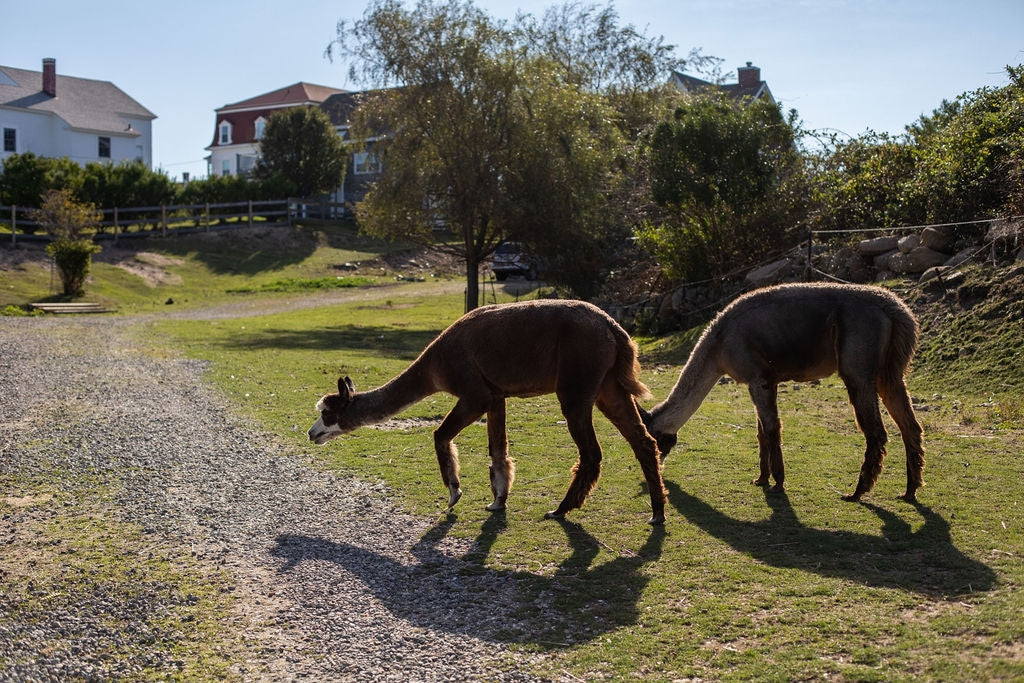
{"points": [[472, 283]]}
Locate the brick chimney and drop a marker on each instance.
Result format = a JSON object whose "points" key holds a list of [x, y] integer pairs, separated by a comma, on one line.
{"points": [[749, 75], [50, 76]]}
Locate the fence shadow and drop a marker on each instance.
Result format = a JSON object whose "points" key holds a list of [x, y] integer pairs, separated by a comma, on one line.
{"points": [[578, 603], [923, 561]]}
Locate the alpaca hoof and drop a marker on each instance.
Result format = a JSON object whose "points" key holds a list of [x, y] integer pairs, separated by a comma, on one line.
{"points": [[656, 520], [453, 497], [851, 497], [496, 505], [760, 481], [554, 514], [908, 497]]}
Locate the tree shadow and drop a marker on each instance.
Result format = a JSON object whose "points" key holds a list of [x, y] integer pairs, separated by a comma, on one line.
{"points": [[395, 343], [578, 603], [923, 561]]}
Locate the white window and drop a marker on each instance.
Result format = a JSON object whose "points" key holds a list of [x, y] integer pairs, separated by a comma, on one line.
{"points": [[10, 140], [225, 133], [138, 152], [225, 167], [365, 162], [104, 147], [261, 125]]}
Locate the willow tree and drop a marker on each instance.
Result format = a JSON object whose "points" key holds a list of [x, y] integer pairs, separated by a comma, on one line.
{"points": [[486, 130]]}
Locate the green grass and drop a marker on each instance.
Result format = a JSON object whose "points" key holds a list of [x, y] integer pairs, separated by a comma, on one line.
{"points": [[739, 584], [201, 270]]}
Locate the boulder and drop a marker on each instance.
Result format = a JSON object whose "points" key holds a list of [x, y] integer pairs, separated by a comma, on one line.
{"points": [[961, 256], [768, 274], [881, 262], [917, 260], [908, 244], [938, 238], [877, 245]]}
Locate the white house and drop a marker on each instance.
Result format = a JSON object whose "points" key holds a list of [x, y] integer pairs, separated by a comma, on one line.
{"points": [[239, 126], [52, 115]]}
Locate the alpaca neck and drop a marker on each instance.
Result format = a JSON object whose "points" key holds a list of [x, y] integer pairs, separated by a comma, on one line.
{"points": [[699, 376], [377, 405]]}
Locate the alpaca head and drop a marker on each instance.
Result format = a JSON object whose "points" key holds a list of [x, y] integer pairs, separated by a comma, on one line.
{"points": [[335, 418], [665, 440]]}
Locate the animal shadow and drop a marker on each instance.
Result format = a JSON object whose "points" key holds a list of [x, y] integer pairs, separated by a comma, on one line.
{"points": [[577, 603], [924, 561]]}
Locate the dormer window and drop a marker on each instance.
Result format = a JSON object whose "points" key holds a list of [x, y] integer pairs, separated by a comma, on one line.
{"points": [[261, 125], [225, 133]]}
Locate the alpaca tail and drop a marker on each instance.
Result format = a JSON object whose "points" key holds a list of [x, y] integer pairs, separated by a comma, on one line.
{"points": [[903, 343], [627, 366]]}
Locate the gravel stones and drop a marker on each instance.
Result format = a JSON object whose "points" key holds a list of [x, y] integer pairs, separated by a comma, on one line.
{"points": [[331, 582]]}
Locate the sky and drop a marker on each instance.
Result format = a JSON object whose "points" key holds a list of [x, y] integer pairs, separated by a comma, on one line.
{"points": [[844, 65]]}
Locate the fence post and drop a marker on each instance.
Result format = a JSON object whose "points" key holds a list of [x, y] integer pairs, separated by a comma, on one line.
{"points": [[14, 224], [163, 220], [115, 225], [250, 213], [206, 216], [807, 266]]}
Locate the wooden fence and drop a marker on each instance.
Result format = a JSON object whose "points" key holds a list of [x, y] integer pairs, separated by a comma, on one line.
{"points": [[146, 221]]}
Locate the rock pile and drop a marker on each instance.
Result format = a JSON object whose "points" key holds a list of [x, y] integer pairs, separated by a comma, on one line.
{"points": [[924, 256]]}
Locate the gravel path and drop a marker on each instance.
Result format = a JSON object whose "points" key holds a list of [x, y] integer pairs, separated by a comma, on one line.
{"points": [[330, 581]]}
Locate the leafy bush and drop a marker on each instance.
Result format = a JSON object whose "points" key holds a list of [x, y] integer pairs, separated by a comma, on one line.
{"points": [[72, 225]]}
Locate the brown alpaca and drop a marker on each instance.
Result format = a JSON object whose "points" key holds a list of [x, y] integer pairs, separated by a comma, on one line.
{"points": [[570, 348], [798, 333]]}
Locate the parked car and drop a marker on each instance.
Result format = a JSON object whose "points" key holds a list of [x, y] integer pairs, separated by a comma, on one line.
{"points": [[512, 258]]}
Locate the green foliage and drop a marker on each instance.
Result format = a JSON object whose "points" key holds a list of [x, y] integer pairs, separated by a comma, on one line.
{"points": [[306, 284], [964, 161], [74, 260], [500, 131], [863, 183], [71, 224], [730, 180], [65, 218], [301, 145], [129, 183], [19, 311]]}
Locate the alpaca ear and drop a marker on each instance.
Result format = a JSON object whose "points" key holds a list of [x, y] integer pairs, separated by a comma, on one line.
{"points": [[346, 388]]}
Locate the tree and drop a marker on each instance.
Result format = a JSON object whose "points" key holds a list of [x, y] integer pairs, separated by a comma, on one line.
{"points": [[490, 131], [730, 178], [71, 224], [300, 144]]}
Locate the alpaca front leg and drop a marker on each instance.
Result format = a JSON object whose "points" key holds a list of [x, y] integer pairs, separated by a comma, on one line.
{"points": [[502, 470], [448, 461], [769, 434]]}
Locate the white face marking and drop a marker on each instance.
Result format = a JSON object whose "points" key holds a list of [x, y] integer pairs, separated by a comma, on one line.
{"points": [[320, 433]]}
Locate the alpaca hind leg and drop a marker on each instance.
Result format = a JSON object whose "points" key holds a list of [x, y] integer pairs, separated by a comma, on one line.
{"points": [[621, 410], [869, 419], [580, 419], [769, 434], [460, 417], [897, 402], [502, 470]]}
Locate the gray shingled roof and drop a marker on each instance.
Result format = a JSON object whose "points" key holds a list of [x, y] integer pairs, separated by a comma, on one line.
{"points": [[83, 103]]}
